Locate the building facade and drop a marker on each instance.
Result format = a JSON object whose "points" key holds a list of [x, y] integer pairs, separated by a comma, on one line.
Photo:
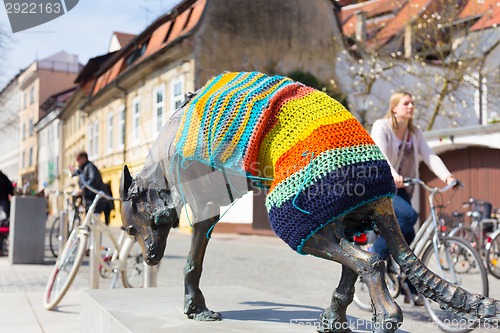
{"points": [[9, 130], [130, 94], [39, 81]]}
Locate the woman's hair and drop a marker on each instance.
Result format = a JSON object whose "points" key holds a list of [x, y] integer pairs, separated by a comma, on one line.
{"points": [[393, 101]]}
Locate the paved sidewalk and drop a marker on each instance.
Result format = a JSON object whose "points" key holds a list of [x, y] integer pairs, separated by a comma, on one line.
{"points": [[262, 263]]}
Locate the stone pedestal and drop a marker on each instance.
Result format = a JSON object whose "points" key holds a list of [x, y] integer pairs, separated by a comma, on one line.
{"points": [[27, 230], [161, 310]]}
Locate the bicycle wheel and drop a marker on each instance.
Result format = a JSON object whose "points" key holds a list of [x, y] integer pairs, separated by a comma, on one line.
{"points": [[133, 264], [362, 297], [65, 269], [493, 256], [54, 237], [465, 233], [466, 270]]}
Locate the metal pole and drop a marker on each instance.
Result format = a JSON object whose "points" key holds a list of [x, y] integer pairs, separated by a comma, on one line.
{"points": [[95, 240], [150, 273]]}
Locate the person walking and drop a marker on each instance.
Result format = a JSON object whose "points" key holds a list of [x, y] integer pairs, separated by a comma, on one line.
{"points": [[403, 144], [6, 192]]}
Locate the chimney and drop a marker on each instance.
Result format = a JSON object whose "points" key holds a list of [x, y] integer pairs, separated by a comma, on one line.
{"points": [[408, 40], [360, 26]]}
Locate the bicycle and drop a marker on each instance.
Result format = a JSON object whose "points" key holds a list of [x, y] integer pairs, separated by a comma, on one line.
{"points": [[69, 219], [481, 232], [452, 258], [125, 263], [493, 252]]}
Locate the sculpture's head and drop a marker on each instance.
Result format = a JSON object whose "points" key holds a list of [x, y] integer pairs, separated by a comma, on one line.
{"points": [[148, 215]]}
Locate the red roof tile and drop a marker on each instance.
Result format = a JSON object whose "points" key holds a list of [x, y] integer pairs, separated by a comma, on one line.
{"points": [[177, 23], [372, 8], [489, 10], [386, 19], [408, 13], [490, 19], [156, 39], [477, 7]]}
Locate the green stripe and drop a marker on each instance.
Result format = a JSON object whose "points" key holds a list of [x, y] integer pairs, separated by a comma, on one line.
{"points": [[325, 163]]}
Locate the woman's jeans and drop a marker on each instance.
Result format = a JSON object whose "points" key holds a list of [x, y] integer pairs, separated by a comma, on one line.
{"points": [[407, 217]]}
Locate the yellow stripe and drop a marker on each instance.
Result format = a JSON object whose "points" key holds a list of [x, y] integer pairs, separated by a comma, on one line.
{"points": [[229, 150], [194, 126], [297, 120]]}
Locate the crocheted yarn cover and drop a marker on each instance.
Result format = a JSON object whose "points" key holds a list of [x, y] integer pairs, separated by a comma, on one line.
{"points": [[314, 156]]}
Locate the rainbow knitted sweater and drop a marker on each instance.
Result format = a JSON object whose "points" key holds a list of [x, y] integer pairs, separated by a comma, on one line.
{"points": [[316, 159]]}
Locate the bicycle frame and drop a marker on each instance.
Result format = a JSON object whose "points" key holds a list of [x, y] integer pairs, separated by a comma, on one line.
{"points": [[64, 218], [95, 227], [429, 231]]}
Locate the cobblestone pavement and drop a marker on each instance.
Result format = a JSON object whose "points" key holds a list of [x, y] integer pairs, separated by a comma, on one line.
{"points": [[262, 263]]}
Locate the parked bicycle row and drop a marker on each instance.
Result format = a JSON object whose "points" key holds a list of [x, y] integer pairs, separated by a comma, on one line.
{"points": [[482, 231]]}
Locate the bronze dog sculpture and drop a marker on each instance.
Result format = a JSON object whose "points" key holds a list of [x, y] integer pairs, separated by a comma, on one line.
{"points": [[326, 179]]}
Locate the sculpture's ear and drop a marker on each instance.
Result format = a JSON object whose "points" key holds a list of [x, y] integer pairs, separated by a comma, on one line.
{"points": [[125, 182]]}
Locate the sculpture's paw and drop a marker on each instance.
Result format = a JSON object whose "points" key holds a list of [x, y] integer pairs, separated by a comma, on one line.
{"points": [[205, 315], [332, 323]]}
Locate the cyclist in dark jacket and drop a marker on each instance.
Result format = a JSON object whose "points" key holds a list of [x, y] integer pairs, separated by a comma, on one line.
{"points": [[92, 176]]}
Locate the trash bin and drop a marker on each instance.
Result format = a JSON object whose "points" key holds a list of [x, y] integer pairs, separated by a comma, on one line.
{"points": [[27, 230]]}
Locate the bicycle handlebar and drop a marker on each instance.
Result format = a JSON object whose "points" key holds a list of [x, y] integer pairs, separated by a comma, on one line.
{"points": [[91, 188], [410, 181]]}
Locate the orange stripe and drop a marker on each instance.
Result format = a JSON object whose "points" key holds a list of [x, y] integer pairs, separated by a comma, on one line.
{"points": [[348, 133]]}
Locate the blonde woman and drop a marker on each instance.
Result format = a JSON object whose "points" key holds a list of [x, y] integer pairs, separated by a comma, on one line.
{"points": [[403, 145]]}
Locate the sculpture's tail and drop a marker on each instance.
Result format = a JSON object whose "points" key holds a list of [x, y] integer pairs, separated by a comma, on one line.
{"points": [[449, 296]]}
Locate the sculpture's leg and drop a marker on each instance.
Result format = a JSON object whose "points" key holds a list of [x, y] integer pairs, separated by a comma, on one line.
{"points": [[194, 301], [335, 315], [329, 243]]}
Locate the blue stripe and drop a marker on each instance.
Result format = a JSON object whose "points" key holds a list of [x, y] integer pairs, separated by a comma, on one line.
{"points": [[190, 109], [213, 110], [328, 198]]}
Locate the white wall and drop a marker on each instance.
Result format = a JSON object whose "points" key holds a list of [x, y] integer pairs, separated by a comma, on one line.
{"points": [[9, 131]]}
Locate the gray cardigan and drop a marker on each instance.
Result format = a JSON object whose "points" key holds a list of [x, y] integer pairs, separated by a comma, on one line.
{"points": [[388, 142]]}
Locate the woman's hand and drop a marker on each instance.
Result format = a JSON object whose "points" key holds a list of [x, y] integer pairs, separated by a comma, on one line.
{"points": [[399, 181], [450, 179]]}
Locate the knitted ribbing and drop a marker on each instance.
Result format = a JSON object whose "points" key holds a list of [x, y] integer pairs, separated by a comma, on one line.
{"points": [[315, 157]]}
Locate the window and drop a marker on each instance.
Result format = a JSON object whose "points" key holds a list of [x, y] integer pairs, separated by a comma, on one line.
{"points": [[32, 95], [176, 93], [136, 54], [23, 133], [31, 127], [110, 132], [95, 149], [92, 135], [121, 127], [30, 157], [158, 113], [136, 104], [90, 138]]}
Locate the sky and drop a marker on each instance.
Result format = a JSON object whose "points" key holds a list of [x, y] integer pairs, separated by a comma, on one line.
{"points": [[85, 30]]}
